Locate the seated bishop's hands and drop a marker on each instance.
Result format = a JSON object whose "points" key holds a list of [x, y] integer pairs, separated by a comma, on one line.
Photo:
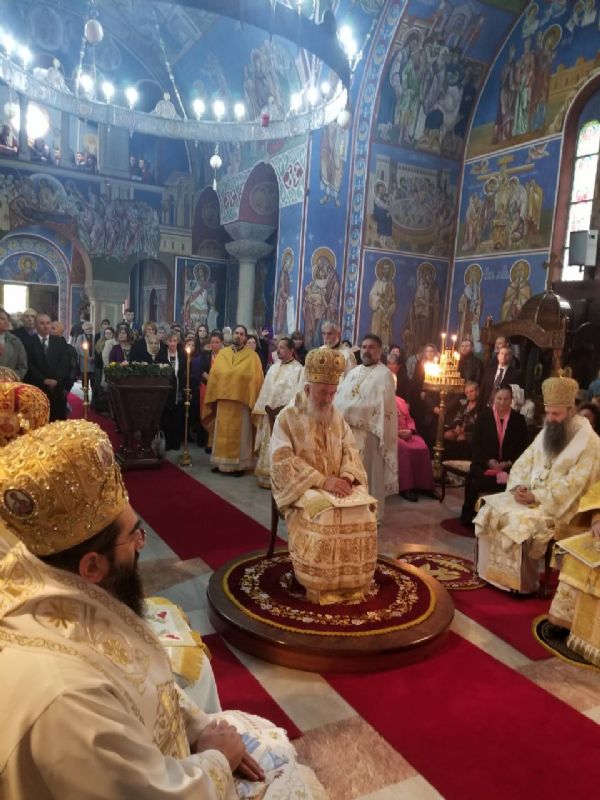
{"points": [[341, 487]]}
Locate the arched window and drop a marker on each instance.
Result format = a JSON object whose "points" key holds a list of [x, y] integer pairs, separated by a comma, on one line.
{"points": [[583, 188]]}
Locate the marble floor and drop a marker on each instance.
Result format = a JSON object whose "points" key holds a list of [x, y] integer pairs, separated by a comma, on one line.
{"points": [[352, 760]]}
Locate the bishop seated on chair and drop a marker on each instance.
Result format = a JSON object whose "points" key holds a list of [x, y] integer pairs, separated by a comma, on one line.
{"points": [[542, 495], [319, 484]]}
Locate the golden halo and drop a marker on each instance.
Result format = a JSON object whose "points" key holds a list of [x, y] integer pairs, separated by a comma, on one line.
{"points": [[517, 266], [473, 268], [384, 262]]}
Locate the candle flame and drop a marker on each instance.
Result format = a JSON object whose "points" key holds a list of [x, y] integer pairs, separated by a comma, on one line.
{"points": [[85, 345], [188, 349]]}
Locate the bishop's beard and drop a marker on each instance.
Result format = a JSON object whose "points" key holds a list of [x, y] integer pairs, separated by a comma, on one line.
{"points": [[320, 413], [556, 437], [125, 583]]}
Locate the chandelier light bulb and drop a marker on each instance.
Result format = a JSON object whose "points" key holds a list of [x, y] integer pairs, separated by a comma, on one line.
{"points": [[8, 43], [132, 95], [86, 82], [25, 55], [296, 101], [351, 48], [199, 107], [108, 90], [216, 161], [325, 88], [312, 95], [345, 34], [93, 32], [239, 110], [219, 109]]}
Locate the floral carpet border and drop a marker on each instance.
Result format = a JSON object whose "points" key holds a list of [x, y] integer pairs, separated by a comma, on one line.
{"points": [[278, 601], [453, 572]]}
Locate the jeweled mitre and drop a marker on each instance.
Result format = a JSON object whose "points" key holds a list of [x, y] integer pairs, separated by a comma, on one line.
{"points": [[59, 486], [560, 391], [324, 365], [23, 408]]}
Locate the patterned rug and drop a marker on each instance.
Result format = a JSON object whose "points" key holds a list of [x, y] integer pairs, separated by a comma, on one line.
{"points": [[266, 590], [554, 639], [451, 571]]}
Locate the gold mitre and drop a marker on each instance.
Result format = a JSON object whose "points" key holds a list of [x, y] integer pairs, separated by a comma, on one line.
{"points": [[23, 408], [8, 375], [560, 391], [59, 486], [324, 365]]}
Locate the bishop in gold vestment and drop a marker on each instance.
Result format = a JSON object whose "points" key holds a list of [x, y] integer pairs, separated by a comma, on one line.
{"points": [[88, 704], [234, 383], [319, 483], [542, 495]]}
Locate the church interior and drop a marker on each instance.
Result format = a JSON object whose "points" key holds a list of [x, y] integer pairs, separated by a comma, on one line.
{"points": [[426, 171]]}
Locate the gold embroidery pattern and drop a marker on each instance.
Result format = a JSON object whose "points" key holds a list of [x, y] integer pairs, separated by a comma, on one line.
{"points": [[403, 603], [218, 779], [169, 729], [19, 579]]}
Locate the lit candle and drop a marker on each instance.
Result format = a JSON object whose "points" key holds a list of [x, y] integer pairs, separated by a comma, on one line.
{"points": [[443, 342], [453, 342], [85, 346], [188, 350]]}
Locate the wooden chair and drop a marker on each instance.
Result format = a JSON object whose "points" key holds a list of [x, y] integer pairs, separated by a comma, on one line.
{"points": [[276, 514]]}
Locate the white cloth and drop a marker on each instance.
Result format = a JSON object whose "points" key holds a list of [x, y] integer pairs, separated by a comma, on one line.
{"points": [[367, 399], [513, 537]]}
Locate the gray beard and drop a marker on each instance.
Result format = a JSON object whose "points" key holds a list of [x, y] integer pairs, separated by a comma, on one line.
{"points": [[323, 416], [556, 437]]}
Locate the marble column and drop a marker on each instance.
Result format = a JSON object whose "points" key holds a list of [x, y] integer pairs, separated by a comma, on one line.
{"points": [[247, 252]]}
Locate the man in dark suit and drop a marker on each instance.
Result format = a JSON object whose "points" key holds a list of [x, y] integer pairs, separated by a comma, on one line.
{"points": [[499, 437], [49, 366], [502, 373], [469, 366], [25, 331], [173, 414]]}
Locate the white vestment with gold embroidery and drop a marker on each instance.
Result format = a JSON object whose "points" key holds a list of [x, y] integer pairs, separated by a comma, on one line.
{"points": [[332, 541], [282, 381], [367, 399], [512, 537], [89, 708]]}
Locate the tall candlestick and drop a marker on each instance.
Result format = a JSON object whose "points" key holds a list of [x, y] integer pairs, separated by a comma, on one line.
{"points": [[184, 459], [453, 342], [86, 389], [443, 342]]}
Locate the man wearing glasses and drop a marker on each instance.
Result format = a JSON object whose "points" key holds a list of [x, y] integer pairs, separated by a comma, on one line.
{"points": [[88, 704]]}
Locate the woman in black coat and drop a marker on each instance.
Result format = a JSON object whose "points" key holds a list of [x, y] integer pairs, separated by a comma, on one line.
{"points": [[499, 438]]}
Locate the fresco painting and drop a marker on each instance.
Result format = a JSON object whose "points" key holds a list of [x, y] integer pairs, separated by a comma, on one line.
{"points": [[549, 56], [27, 268], [411, 202], [287, 275], [402, 299], [508, 200], [321, 296], [202, 288], [497, 287]]}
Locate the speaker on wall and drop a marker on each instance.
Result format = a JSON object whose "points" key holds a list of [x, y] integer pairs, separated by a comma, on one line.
{"points": [[583, 248]]}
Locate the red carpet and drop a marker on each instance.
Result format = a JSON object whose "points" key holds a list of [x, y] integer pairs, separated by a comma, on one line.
{"points": [[476, 729], [239, 689], [184, 511], [454, 525], [510, 618]]}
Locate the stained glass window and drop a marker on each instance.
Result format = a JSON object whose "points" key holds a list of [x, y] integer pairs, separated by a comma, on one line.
{"points": [[583, 189]]}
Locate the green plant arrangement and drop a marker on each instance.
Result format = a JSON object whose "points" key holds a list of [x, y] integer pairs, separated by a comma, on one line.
{"points": [[137, 369]]}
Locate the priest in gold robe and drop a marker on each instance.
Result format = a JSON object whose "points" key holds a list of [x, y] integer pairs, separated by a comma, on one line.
{"points": [[282, 382], [88, 704], [234, 383], [576, 604], [542, 495], [367, 399], [319, 483]]}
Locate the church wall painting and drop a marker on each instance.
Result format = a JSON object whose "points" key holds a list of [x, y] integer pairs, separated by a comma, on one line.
{"points": [[204, 292], [550, 54], [402, 298], [433, 74], [508, 200], [287, 275], [27, 268], [411, 202], [496, 287]]}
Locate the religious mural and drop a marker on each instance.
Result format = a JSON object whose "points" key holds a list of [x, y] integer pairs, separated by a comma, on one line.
{"points": [[321, 298], [27, 268], [288, 269], [203, 292], [547, 59], [402, 299], [430, 83], [263, 292], [105, 226], [508, 200], [284, 316], [498, 287], [412, 202]]}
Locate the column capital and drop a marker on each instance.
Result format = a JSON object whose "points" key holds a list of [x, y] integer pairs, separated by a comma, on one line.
{"points": [[248, 249], [249, 230]]}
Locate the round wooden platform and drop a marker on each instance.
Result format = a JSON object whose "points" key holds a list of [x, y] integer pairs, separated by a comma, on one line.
{"points": [[330, 653]]}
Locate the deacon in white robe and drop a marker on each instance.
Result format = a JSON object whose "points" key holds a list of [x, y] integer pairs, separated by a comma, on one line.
{"points": [[367, 399], [542, 495], [282, 382], [319, 483], [88, 703]]}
